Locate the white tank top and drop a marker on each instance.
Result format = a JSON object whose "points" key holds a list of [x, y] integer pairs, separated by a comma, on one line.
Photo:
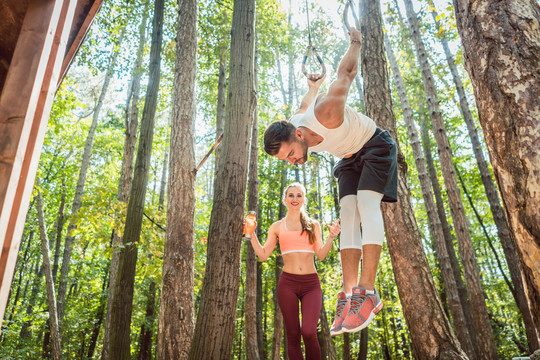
{"points": [[347, 139]]}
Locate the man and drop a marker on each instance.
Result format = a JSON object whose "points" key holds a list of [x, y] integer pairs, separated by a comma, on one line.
{"points": [[366, 173]]}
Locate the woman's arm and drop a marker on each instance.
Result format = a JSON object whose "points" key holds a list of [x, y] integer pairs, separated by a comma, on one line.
{"points": [[322, 250], [263, 252]]}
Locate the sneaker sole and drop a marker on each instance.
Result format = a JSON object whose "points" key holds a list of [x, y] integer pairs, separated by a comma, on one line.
{"points": [[337, 332], [374, 312]]}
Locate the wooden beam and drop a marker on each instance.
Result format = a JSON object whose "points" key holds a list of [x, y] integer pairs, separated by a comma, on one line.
{"points": [[25, 104], [73, 46]]}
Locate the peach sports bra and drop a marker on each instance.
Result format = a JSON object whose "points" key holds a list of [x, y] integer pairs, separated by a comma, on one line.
{"points": [[293, 241]]}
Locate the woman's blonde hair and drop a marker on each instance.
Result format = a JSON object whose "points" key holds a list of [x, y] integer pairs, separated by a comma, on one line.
{"points": [[305, 220]]}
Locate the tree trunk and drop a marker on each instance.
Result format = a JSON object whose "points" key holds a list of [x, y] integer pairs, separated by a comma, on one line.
{"points": [[146, 334], [25, 328], [25, 288], [363, 350], [221, 100], [278, 317], [122, 303], [426, 143], [177, 308], [431, 333], [327, 343], [51, 297], [501, 50], [260, 308], [435, 228], [347, 347], [81, 182], [20, 266], [252, 346], [126, 173], [214, 330], [163, 184], [98, 321], [499, 217], [486, 344], [145, 337], [59, 229], [462, 290]]}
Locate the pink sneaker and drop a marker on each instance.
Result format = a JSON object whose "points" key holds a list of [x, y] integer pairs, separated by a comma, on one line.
{"points": [[363, 308], [342, 308]]}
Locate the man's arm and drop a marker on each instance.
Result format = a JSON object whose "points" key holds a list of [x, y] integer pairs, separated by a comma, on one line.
{"points": [[330, 108], [314, 83]]}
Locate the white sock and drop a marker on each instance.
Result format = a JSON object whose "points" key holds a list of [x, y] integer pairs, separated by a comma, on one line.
{"points": [[348, 295], [370, 292]]}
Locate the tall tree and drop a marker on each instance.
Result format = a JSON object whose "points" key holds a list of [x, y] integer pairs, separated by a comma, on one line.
{"points": [[278, 326], [59, 229], [51, 297], [81, 183], [131, 122], [501, 50], [486, 344], [177, 309], [250, 302], [145, 336], [221, 99], [38, 275], [499, 217], [325, 339], [440, 204], [98, 319], [431, 334], [122, 304], [458, 315], [56, 243], [20, 268], [449, 240], [214, 330]]}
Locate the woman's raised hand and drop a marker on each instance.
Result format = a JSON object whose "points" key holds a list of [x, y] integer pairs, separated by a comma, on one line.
{"points": [[334, 228]]}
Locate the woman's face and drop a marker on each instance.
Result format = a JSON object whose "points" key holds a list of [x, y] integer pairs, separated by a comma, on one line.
{"points": [[294, 199]]}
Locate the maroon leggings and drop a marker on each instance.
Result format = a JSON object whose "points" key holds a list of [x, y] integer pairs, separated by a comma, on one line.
{"points": [[307, 289]]}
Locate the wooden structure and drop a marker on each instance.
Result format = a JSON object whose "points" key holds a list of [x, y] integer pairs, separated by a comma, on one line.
{"points": [[38, 41]]}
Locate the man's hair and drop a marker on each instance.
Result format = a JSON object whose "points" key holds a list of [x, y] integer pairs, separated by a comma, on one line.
{"points": [[277, 133]]}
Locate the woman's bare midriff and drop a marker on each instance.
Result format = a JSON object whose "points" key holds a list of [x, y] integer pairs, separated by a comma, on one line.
{"points": [[299, 263]]}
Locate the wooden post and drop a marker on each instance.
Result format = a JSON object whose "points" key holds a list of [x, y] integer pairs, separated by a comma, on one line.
{"points": [[25, 104]]}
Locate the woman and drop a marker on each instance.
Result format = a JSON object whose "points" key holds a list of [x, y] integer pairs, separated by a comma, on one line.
{"points": [[299, 239]]}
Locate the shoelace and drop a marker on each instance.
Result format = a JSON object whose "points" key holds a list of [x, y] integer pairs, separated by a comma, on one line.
{"points": [[356, 302], [341, 306]]}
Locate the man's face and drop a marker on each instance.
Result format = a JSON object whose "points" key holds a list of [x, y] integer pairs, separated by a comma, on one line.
{"points": [[294, 152]]}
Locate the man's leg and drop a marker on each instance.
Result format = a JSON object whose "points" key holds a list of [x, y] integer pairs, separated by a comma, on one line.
{"points": [[370, 262], [351, 245], [365, 302], [369, 208], [350, 242], [350, 264]]}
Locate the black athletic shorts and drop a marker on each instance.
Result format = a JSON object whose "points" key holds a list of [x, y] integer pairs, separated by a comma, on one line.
{"points": [[374, 168]]}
